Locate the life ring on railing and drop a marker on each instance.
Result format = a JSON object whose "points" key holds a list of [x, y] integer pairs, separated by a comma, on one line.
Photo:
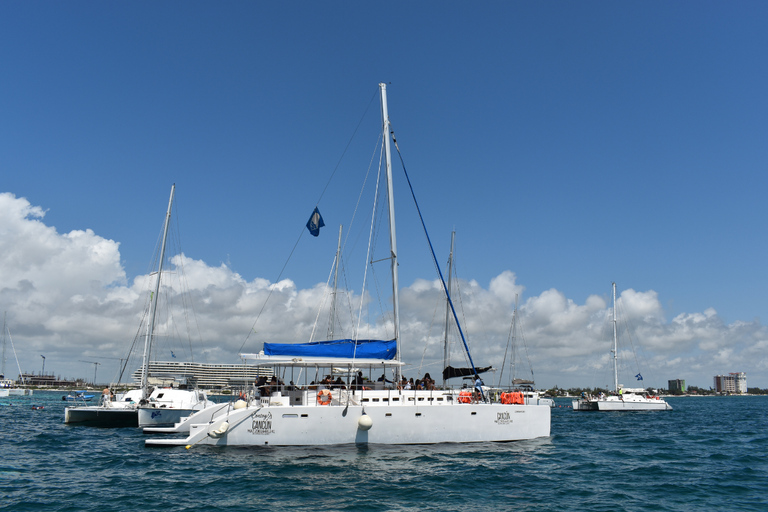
{"points": [[324, 397], [465, 397]]}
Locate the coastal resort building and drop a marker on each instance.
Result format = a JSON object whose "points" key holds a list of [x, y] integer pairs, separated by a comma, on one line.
{"points": [[733, 383], [676, 387], [202, 375]]}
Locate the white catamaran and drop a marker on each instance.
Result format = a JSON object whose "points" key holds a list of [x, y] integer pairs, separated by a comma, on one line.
{"points": [[623, 399], [363, 413]]}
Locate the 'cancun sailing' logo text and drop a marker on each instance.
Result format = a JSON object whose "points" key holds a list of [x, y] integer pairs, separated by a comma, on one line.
{"points": [[261, 424]]}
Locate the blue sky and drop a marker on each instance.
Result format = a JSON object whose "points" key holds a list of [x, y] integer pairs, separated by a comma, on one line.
{"points": [[570, 144]]}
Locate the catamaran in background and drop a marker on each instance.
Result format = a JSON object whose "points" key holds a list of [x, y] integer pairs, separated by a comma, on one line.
{"points": [[144, 406], [623, 399]]}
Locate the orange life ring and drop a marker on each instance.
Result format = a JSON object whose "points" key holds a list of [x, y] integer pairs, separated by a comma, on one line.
{"points": [[324, 397], [465, 397]]}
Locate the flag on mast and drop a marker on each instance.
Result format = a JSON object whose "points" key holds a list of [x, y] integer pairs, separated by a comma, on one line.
{"points": [[315, 222]]}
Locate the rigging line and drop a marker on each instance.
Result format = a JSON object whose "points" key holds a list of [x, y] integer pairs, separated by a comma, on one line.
{"points": [[368, 255], [186, 293], [525, 346], [325, 299], [434, 257], [461, 297], [272, 289], [509, 342], [346, 148], [429, 331]]}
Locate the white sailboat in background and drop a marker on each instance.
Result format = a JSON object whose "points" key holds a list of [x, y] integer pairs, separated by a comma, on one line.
{"points": [[624, 399], [142, 407], [9, 387], [365, 412]]}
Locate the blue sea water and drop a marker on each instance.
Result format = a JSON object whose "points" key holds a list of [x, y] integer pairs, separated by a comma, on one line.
{"points": [[708, 454]]}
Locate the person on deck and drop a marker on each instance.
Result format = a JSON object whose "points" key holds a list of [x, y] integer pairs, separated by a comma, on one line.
{"points": [[478, 388], [358, 383]]}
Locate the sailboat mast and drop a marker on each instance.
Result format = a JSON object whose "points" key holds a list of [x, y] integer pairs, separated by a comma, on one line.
{"points": [[153, 307], [615, 345], [391, 206], [448, 305], [2, 369], [335, 287]]}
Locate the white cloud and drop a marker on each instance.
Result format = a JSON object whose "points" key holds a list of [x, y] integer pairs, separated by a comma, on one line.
{"points": [[67, 296]]}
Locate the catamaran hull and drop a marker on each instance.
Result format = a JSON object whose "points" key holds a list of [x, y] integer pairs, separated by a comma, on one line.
{"points": [[620, 405], [102, 417], [300, 426], [650, 405], [206, 415], [151, 417]]}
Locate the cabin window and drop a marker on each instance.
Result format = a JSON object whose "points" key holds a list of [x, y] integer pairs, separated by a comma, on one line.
{"points": [[418, 414], [160, 396], [473, 413], [388, 414], [290, 415], [305, 415]]}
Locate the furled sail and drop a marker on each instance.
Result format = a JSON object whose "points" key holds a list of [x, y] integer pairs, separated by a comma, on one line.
{"points": [[450, 372]]}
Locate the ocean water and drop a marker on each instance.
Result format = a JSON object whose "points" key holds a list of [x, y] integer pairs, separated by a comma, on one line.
{"points": [[708, 454]]}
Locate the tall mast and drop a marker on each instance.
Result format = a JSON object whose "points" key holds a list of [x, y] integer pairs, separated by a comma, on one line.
{"points": [[335, 287], [391, 204], [2, 370], [153, 307], [514, 343], [448, 305], [615, 345]]}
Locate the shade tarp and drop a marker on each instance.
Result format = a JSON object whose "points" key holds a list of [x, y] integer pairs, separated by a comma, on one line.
{"points": [[364, 349]]}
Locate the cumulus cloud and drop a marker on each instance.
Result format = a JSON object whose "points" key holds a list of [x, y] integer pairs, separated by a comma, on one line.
{"points": [[68, 297]]}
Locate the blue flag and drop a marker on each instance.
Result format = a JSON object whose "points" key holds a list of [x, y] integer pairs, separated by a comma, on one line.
{"points": [[315, 222], [639, 377], [172, 354]]}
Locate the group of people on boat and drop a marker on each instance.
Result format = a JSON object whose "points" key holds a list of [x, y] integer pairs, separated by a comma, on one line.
{"points": [[425, 383], [266, 387]]}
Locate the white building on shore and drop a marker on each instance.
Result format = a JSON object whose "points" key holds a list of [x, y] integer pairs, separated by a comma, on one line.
{"points": [[734, 383]]}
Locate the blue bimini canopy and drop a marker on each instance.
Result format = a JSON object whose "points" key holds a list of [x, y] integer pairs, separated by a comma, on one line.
{"points": [[361, 349]]}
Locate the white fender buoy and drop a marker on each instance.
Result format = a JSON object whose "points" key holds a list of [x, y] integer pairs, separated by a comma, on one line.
{"points": [[220, 431], [364, 422], [240, 404]]}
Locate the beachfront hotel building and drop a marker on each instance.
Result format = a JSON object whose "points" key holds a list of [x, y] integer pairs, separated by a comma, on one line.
{"points": [[735, 383], [676, 387], [202, 375]]}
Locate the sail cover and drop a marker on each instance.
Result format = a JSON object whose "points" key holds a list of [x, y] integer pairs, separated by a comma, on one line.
{"points": [[451, 372], [361, 349]]}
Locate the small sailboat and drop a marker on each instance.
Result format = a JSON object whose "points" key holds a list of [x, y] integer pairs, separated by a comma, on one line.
{"points": [[8, 387], [356, 411], [622, 399]]}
